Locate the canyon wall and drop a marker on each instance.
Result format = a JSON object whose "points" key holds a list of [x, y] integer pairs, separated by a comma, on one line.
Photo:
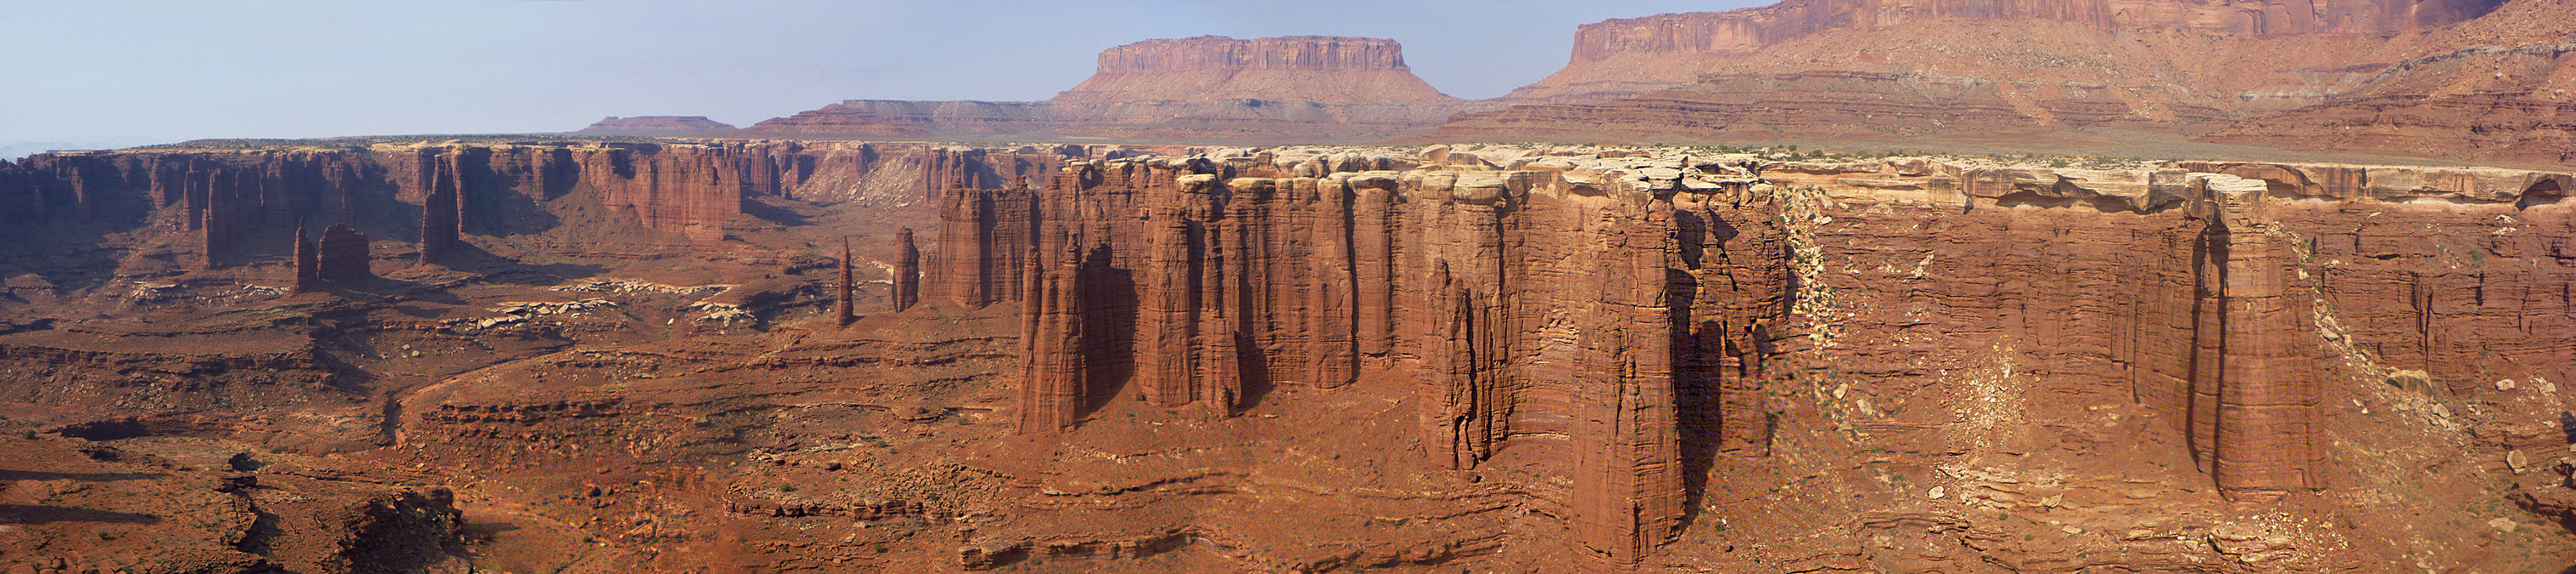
{"points": [[2469, 79], [1621, 320], [1527, 304], [1626, 57], [236, 205]]}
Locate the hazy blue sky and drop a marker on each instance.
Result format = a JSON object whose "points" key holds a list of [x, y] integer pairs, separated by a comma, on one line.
{"points": [[182, 69]]}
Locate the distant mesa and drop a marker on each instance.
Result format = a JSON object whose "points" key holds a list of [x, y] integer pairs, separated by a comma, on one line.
{"points": [[1320, 69], [1633, 56], [656, 126], [1206, 88], [2472, 79]]}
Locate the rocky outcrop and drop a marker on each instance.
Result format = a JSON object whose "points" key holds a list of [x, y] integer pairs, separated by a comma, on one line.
{"points": [[343, 256], [656, 126], [308, 269], [1632, 307], [844, 310], [907, 271], [109, 508], [1245, 274], [1207, 88]]}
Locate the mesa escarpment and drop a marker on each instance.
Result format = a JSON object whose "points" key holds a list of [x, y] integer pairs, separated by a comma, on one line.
{"points": [[1322, 69], [2463, 79], [1209, 88], [2497, 87], [656, 126], [1070, 358], [1633, 56]]}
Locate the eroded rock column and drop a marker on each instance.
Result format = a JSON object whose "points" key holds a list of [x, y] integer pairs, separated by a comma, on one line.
{"points": [[907, 270], [2253, 393], [1628, 494]]}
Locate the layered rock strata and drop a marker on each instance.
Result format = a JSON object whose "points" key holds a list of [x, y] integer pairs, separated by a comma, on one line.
{"points": [[1631, 56], [1244, 274], [1630, 308], [2471, 79]]}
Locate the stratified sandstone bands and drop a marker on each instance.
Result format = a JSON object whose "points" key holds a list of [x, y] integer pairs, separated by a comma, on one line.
{"points": [[1626, 57], [1320, 69], [2472, 79], [1205, 281], [1631, 308], [2505, 102], [2236, 292]]}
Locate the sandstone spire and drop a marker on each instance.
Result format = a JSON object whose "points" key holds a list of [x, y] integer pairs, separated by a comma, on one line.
{"points": [[842, 307], [907, 271], [308, 271], [438, 222]]}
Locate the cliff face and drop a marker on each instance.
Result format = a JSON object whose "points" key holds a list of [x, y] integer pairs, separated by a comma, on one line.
{"points": [[236, 207], [1207, 88], [2471, 79], [1239, 278], [2498, 87], [1632, 56], [1320, 69], [1617, 322]]}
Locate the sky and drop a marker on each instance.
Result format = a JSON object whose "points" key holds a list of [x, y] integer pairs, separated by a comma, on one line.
{"points": [[131, 70]]}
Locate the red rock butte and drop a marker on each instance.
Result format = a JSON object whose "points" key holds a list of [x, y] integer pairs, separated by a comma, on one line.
{"points": [[1320, 69], [1207, 88], [656, 126]]}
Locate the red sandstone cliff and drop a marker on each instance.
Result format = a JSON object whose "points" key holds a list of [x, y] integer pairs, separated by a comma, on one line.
{"points": [[2477, 79], [1626, 57], [1596, 319], [2498, 87], [1320, 69], [234, 207]]}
